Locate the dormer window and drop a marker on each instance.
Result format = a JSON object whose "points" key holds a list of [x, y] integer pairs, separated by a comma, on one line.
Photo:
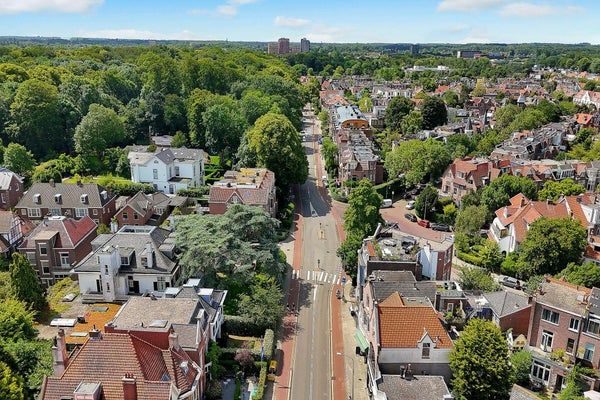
{"points": [[58, 198], [84, 199], [426, 350], [37, 198], [104, 194], [144, 260], [124, 260]]}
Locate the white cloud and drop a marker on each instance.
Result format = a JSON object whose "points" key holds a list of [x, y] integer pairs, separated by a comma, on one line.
{"points": [[291, 22], [325, 33], [139, 34], [466, 5], [227, 10], [65, 6], [535, 10]]}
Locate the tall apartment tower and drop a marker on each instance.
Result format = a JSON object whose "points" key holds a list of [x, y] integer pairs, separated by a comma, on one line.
{"points": [[304, 45], [283, 46]]}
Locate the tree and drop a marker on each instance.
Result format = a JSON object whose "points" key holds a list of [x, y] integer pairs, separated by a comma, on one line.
{"points": [[263, 306], [490, 255], [554, 189], [98, 130], [330, 152], [244, 358], [412, 123], [477, 279], [427, 203], [505, 115], [36, 114], [11, 384], [278, 147], [479, 89], [224, 129], [16, 321], [586, 274], [417, 160], [398, 108], [25, 285], [480, 364], [102, 229], [213, 357], [348, 252], [520, 362], [362, 215], [470, 220], [451, 98], [551, 244], [179, 140], [498, 193], [434, 112], [18, 159]]}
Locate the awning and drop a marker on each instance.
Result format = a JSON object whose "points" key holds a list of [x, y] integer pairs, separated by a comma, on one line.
{"points": [[361, 342]]}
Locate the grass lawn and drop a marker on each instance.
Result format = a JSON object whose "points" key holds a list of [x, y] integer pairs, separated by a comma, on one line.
{"points": [[249, 342], [54, 298], [96, 179]]}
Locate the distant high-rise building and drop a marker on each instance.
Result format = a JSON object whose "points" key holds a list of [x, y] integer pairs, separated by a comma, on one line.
{"points": [[283, 46], [304, 45], [414, 49], [272, 48]]}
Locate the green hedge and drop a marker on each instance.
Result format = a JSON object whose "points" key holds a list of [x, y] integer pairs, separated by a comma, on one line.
{"points": [[262, 380], [269, 343], [194, 191], [240, 326], [470, 258], [386, 188], [122, 188]]}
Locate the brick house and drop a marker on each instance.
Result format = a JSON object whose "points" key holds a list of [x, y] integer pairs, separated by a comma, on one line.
{"points": [[58, 243], [12, 230], [509, 310], [11, 189], [122, 366], [467, 175], [559, 320], [69, 200], [147, 209], [249, 186]]}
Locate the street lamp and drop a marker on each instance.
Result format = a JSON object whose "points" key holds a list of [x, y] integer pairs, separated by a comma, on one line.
{"points": [[352, 358]]}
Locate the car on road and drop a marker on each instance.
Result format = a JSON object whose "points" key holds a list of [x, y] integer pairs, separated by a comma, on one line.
{"points": [[387, 203], [410, 217], [510, 282], [440, 227], [424, 223], [410, 205]]}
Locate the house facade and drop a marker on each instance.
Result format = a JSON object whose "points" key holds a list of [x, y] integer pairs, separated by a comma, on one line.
{"points": [[58, 243], [147, 209], [467, 175], [135, 260], [69, 200], [168, 169], [11, 189], [249, 186], [12, 231]]}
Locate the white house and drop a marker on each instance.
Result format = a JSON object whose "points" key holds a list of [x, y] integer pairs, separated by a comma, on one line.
{"points": [[168, 169], [135, 260]]}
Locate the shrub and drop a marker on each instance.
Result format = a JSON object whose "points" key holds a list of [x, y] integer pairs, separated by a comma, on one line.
{"points": [[124, 187], [268, 343], [470, 258], [241, 326], [194, 191], [214, 390], [262, 380]]}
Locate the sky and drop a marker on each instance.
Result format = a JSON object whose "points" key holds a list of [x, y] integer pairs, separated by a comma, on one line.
{"points": [[348, 21]]}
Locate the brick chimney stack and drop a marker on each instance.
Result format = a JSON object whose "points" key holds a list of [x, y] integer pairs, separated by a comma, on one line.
{"points": [[129, 387], [173, 341], [59, 353]]}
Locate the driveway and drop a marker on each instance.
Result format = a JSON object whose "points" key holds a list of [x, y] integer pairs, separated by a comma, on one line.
{"points": [[396, 214]]}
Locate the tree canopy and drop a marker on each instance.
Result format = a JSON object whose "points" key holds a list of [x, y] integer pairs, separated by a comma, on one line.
{"points": [[434, 112], [398, 108], [554, 189], [417, 160], [362, 214]]}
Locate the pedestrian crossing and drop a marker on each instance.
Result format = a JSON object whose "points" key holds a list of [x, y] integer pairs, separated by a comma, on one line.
{"points": [[318, 276]]}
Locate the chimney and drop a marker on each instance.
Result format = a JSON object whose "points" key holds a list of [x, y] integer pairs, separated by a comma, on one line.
{"points": [[95, 333], [149, 255], [51, 182], [522, 201], [59, 353], [173, 341], [114, 226], [129, 387], [505, 212]]}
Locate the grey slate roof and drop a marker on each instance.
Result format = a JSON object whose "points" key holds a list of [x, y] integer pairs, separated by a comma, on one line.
{"points": [[138, 155], [127, 239], [140, 312], [519, 393], [420, 387], [70, 196], [505, 302], [382, 290], [6, 176], [563, 296]]}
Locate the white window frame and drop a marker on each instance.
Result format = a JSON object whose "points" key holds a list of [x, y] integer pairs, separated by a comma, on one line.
{"points": [[54, 212], [546, 340], [588, 354], [45, 265], [43, 246], [574, 324], [426, 351], [34, 212], [81, 212], [161, 283], [572, 348], [595, 323], [540, 371], [547, 316], [155, 174], [65, 260], [95, 211]]}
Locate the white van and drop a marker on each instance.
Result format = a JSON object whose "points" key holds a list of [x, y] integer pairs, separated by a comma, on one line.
{"points": [[387, 203]]}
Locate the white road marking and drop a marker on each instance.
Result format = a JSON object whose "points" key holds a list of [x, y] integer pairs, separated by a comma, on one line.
{"points": [[321, 277], [308, 278], [315, 294]]}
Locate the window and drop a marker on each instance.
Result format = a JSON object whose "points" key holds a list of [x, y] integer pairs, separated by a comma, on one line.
{"points": [[176, 171], [124, 260], [425, 350], [125, 216], [540, 371], [593, 327], [107, 287], [588, 354], [550, 316], [31, 257], [64, 260], [570, 345], [106, 270], [95, 211], [3, 197], [80, 212], [144, 262], [574, 324], [45, 268], [450, 307], [34, 212], [55, 212], [135, 216], [155, 174], [43, 249], [23, 212], [546, 343], [160, 283]]}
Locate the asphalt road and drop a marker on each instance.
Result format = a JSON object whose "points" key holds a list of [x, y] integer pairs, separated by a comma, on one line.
{"points": [[312, 376]]}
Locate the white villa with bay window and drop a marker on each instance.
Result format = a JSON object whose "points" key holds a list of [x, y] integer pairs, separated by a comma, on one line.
{"points": [[168, 169]]}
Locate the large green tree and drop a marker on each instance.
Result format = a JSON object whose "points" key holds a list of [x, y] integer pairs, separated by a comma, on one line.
{"points": [[476, 279], [586, 274], [551, 244], [11, 384], [16, 321], [278, 147], [554, 189], [418, 160], [427, 203], [520, 362], [480, 363], [18, 159], [224, 129], [25, 285], [264, 304], [498, 193], [434, 112], [362, 215], [398, 108], [35, 112]]}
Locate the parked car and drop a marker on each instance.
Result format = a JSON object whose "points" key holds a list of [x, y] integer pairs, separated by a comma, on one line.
{"points": [[410, 217], [511, 282], [410, 205], [387, 203], [424, 223], [440, 227]]}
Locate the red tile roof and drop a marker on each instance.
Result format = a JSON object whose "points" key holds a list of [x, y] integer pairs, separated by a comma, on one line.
{"points": [[108, 359], [70, 231], [404, 326]]}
